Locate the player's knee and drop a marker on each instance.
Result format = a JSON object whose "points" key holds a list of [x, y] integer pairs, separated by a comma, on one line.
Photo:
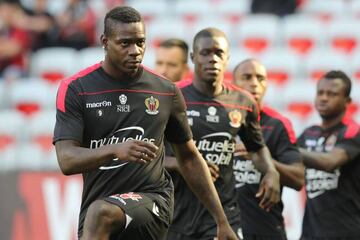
{"points": [[106, 214]]}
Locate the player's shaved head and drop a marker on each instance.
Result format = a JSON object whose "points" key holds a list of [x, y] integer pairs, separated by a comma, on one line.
{"points": [[245, 62], [208, 33]]}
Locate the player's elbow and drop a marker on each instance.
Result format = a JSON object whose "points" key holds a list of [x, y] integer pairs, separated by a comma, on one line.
{"points": [[65, 165], [66, 169], [299, 183]]}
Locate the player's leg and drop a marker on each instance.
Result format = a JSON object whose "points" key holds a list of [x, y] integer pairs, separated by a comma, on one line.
{"points": [[102, 218], [147, 215]]}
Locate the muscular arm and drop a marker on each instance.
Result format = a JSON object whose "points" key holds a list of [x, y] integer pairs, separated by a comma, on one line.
{"points": [[291, 175], [195, 172], [269, 190], [324, 161], [171, 163], [74, 159]]}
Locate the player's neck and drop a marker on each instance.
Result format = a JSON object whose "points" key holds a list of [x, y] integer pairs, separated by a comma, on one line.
{"points": [[115, 73], [206, 88], [332, 121]]}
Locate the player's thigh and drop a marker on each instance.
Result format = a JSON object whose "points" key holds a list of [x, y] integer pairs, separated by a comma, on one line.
{"points": [[147, 215]]}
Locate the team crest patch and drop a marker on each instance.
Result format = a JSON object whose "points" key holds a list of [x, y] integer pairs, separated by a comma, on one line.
{"points": [[235, 118], [152, 105]]}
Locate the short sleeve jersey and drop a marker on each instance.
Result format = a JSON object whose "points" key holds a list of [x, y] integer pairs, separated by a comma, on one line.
{"points": [[215, 123], [333, 198], [95, 110], [280, 138]]}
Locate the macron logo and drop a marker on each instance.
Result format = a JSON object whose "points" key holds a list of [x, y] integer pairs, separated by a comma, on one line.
{"points": [[98, 104]]}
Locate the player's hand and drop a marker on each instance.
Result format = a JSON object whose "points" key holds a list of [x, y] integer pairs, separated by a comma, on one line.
{"points": [[225, 232], [240, 151], [269, 190], [135, 151], [214, 171]]}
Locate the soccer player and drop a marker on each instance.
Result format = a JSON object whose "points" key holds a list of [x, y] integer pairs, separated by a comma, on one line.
{"points": [[172, 58], [218, 113], [111, 121], [331, 155], [280, 139]]}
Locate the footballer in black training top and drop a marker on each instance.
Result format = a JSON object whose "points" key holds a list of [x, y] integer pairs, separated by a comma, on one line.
{"points": [[215, 123], [95, 110], [280, 139], [333, 198]]}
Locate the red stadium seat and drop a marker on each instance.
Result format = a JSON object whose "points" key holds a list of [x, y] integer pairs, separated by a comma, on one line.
{"points": [[341, 34], [302, 33], [259, 32]]}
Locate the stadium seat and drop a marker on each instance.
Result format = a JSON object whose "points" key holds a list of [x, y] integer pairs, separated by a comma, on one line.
{"points": [[89, 56], [41, 128], [30, 96], [150, 10], [355, 65], [165, 27], [322, 60], [302, 33], [258, 32], [271, 97], [233, 10], [282, 65], [326, 11], [8, 158], [12, 132], [298, 98], [149, 58], [31, 157], [341, 35], [190, 10], [54, 63], [3, 98], [354, 8]]}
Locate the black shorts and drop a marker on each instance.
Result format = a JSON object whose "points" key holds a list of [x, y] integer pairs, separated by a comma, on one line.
{"points": [[148, 215], [263, 237], [208, 235]]}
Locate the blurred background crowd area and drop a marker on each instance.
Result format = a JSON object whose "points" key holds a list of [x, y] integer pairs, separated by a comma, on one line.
{"points": [[44, 41]]}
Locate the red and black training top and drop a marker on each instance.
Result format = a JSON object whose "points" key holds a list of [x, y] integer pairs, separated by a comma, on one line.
{"points": [[215, 123], [95, 109], [280, 139], [333, 198]]}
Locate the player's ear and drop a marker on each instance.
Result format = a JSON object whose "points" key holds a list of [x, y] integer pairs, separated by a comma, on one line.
{"points": [[104, 41], [192, 57]]}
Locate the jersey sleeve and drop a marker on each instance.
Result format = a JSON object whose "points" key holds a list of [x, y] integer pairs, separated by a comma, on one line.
{"points": [[286, 150], [69, 119], [351, 145], [177, 129], [250, 132]]}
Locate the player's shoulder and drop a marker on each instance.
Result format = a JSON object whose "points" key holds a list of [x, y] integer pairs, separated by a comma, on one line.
{"points": [[275, 116], [280, 121], [241, 93], [84, 73], [312, 131], [351, 128]]}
